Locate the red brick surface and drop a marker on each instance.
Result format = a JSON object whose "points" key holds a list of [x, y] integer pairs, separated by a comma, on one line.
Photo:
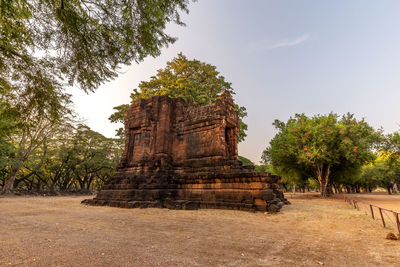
{"points": [[181, 156]]}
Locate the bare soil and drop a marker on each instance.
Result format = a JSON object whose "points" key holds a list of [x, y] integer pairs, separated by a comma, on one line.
{"points": [[59, 231], [380, 199]]}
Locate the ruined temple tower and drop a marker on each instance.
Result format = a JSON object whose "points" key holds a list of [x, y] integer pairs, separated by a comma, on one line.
{"points": [[181, 156]]}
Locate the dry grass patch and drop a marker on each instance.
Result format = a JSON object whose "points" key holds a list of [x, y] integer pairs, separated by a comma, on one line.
{"points": [[43, 231]]}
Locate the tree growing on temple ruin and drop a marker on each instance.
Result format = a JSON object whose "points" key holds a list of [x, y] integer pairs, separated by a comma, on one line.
{"points": [[323, 147], [192, 80]]}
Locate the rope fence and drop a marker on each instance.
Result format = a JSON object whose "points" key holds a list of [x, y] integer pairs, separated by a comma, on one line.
{"points": [[389, 218]]}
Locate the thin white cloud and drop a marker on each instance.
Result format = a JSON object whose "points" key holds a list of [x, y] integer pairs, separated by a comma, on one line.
{"points": [[265, 44], [294, 42]]}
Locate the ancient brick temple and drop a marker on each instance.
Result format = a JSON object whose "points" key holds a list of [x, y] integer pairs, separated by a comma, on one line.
{"points": [[181, 156]]}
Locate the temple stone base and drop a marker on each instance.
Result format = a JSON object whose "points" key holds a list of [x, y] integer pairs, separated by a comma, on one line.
{"points": [[240, 190]]}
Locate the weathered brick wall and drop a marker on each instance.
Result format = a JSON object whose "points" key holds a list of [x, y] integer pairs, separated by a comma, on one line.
{"points": [[171, 128], [179, 155]]}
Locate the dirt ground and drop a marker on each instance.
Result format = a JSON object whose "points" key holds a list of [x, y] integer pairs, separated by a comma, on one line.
{"points": [[380, 199], [59, 231]]}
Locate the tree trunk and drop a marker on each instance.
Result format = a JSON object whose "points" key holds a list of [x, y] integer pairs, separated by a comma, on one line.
{"points": [[388, 190], [352, 189], [395, 188], [9, 186], [323, 180], [322, 189], [336, 189]]}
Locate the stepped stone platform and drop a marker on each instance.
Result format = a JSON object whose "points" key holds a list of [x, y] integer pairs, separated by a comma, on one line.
{"points": [[181, 156]]}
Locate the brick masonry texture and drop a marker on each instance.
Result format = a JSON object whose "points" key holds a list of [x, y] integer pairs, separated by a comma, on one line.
{"points": [[181, 156]]}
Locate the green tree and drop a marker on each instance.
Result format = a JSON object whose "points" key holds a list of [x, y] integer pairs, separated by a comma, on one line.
{"points": [[32, 126], [321, 147], [72, 159], [246, 161], [391, 147], [45, 44], [95, 157], [8, 127], [391, 153], [192, 80], [383, 172], [264, 168]]}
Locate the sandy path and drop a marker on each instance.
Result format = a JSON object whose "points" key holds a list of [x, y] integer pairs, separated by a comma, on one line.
{"points": [[59, 231], [380, 199]]}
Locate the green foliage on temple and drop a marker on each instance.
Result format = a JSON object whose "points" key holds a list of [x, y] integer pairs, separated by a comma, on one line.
{"points": [[192, 80]]}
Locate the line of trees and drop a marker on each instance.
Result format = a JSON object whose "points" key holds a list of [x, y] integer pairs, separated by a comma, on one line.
{"points": [[56, 158], [336, 154]]}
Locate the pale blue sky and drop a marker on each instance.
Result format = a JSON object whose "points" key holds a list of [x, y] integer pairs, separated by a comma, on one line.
{"points": [[282, 57]]}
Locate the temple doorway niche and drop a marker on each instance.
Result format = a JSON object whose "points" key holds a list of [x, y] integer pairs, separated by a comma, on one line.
{"points": [[131, 145], [230, 141], [134, 142]]}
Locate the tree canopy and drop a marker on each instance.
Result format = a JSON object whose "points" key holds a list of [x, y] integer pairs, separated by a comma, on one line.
{"points": [[323, 147], [245, 161], [381, 173], [47, 44], [192, 80], [69, 158]]}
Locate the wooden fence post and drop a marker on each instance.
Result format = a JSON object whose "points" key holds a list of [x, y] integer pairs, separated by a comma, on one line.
{"points": [[372, 211], [383, 220], [397, 221]]}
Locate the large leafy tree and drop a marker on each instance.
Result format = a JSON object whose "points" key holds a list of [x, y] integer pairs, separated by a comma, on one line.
{"points": [[381, 173], [324, 147], [392, 158], [46, 44], [8, 126], [192, 80], [31, 130], [391, 147], [95, 157]]}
